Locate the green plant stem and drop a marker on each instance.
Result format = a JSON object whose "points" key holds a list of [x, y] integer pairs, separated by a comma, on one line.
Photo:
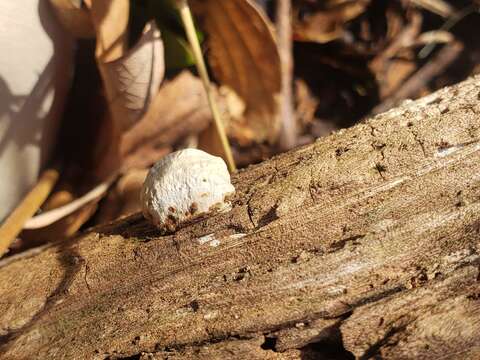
{"points": [[187, 20]]}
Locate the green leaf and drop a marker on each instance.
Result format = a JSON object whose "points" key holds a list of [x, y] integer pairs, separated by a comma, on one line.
{"points": [[177, 50]]}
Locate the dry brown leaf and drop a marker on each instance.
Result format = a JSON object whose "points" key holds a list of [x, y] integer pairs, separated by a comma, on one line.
{"points": [[131, 78], [179, 109], [110, 19], [243, 55], [233, 110], [75, 19], [208, 141], [306, 103], [124, 198], [328, 23]]}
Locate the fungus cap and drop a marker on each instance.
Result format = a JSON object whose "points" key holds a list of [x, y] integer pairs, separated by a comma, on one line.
{"points": [[185, 184]]}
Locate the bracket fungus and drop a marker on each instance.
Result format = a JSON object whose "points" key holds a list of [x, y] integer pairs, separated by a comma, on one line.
{"points": [[184, 185]]}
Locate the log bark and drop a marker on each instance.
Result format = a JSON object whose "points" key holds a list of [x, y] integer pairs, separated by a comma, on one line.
{"points": [[364, 244]]}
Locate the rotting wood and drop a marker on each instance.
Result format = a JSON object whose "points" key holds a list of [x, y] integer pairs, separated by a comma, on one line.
{"points": [[364, 243]]}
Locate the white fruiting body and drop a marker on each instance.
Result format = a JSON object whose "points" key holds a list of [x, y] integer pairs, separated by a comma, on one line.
{"points": [[185, 184]]}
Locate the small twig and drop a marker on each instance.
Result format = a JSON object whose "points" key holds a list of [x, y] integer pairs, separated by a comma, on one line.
{"points": [[288, 135], [405, 38], [187, 20], [13, 225], [439, 7], [451, 22]]}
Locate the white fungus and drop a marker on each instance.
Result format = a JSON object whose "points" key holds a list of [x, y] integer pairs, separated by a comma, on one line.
{"points": [[183, 185]]}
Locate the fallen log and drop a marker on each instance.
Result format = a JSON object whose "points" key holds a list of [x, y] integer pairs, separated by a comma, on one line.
{"points": [[363, 244]]}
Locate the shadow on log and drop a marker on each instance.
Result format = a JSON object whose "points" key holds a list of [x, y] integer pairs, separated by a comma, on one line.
{"points": [[365, 244]]}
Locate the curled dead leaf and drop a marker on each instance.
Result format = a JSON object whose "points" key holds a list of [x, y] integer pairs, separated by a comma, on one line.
{"points": [[133, 79]]}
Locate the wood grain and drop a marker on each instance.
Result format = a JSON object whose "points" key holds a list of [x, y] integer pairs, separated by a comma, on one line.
{"points": [[365, 243]]}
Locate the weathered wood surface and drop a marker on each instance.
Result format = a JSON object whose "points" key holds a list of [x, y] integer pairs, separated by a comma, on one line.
{"points": [[366, 244]]}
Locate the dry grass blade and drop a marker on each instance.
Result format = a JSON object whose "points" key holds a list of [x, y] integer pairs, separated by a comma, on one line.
{"points": [[288, 134], [187, 20], [54, 215], [25, 210]]}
